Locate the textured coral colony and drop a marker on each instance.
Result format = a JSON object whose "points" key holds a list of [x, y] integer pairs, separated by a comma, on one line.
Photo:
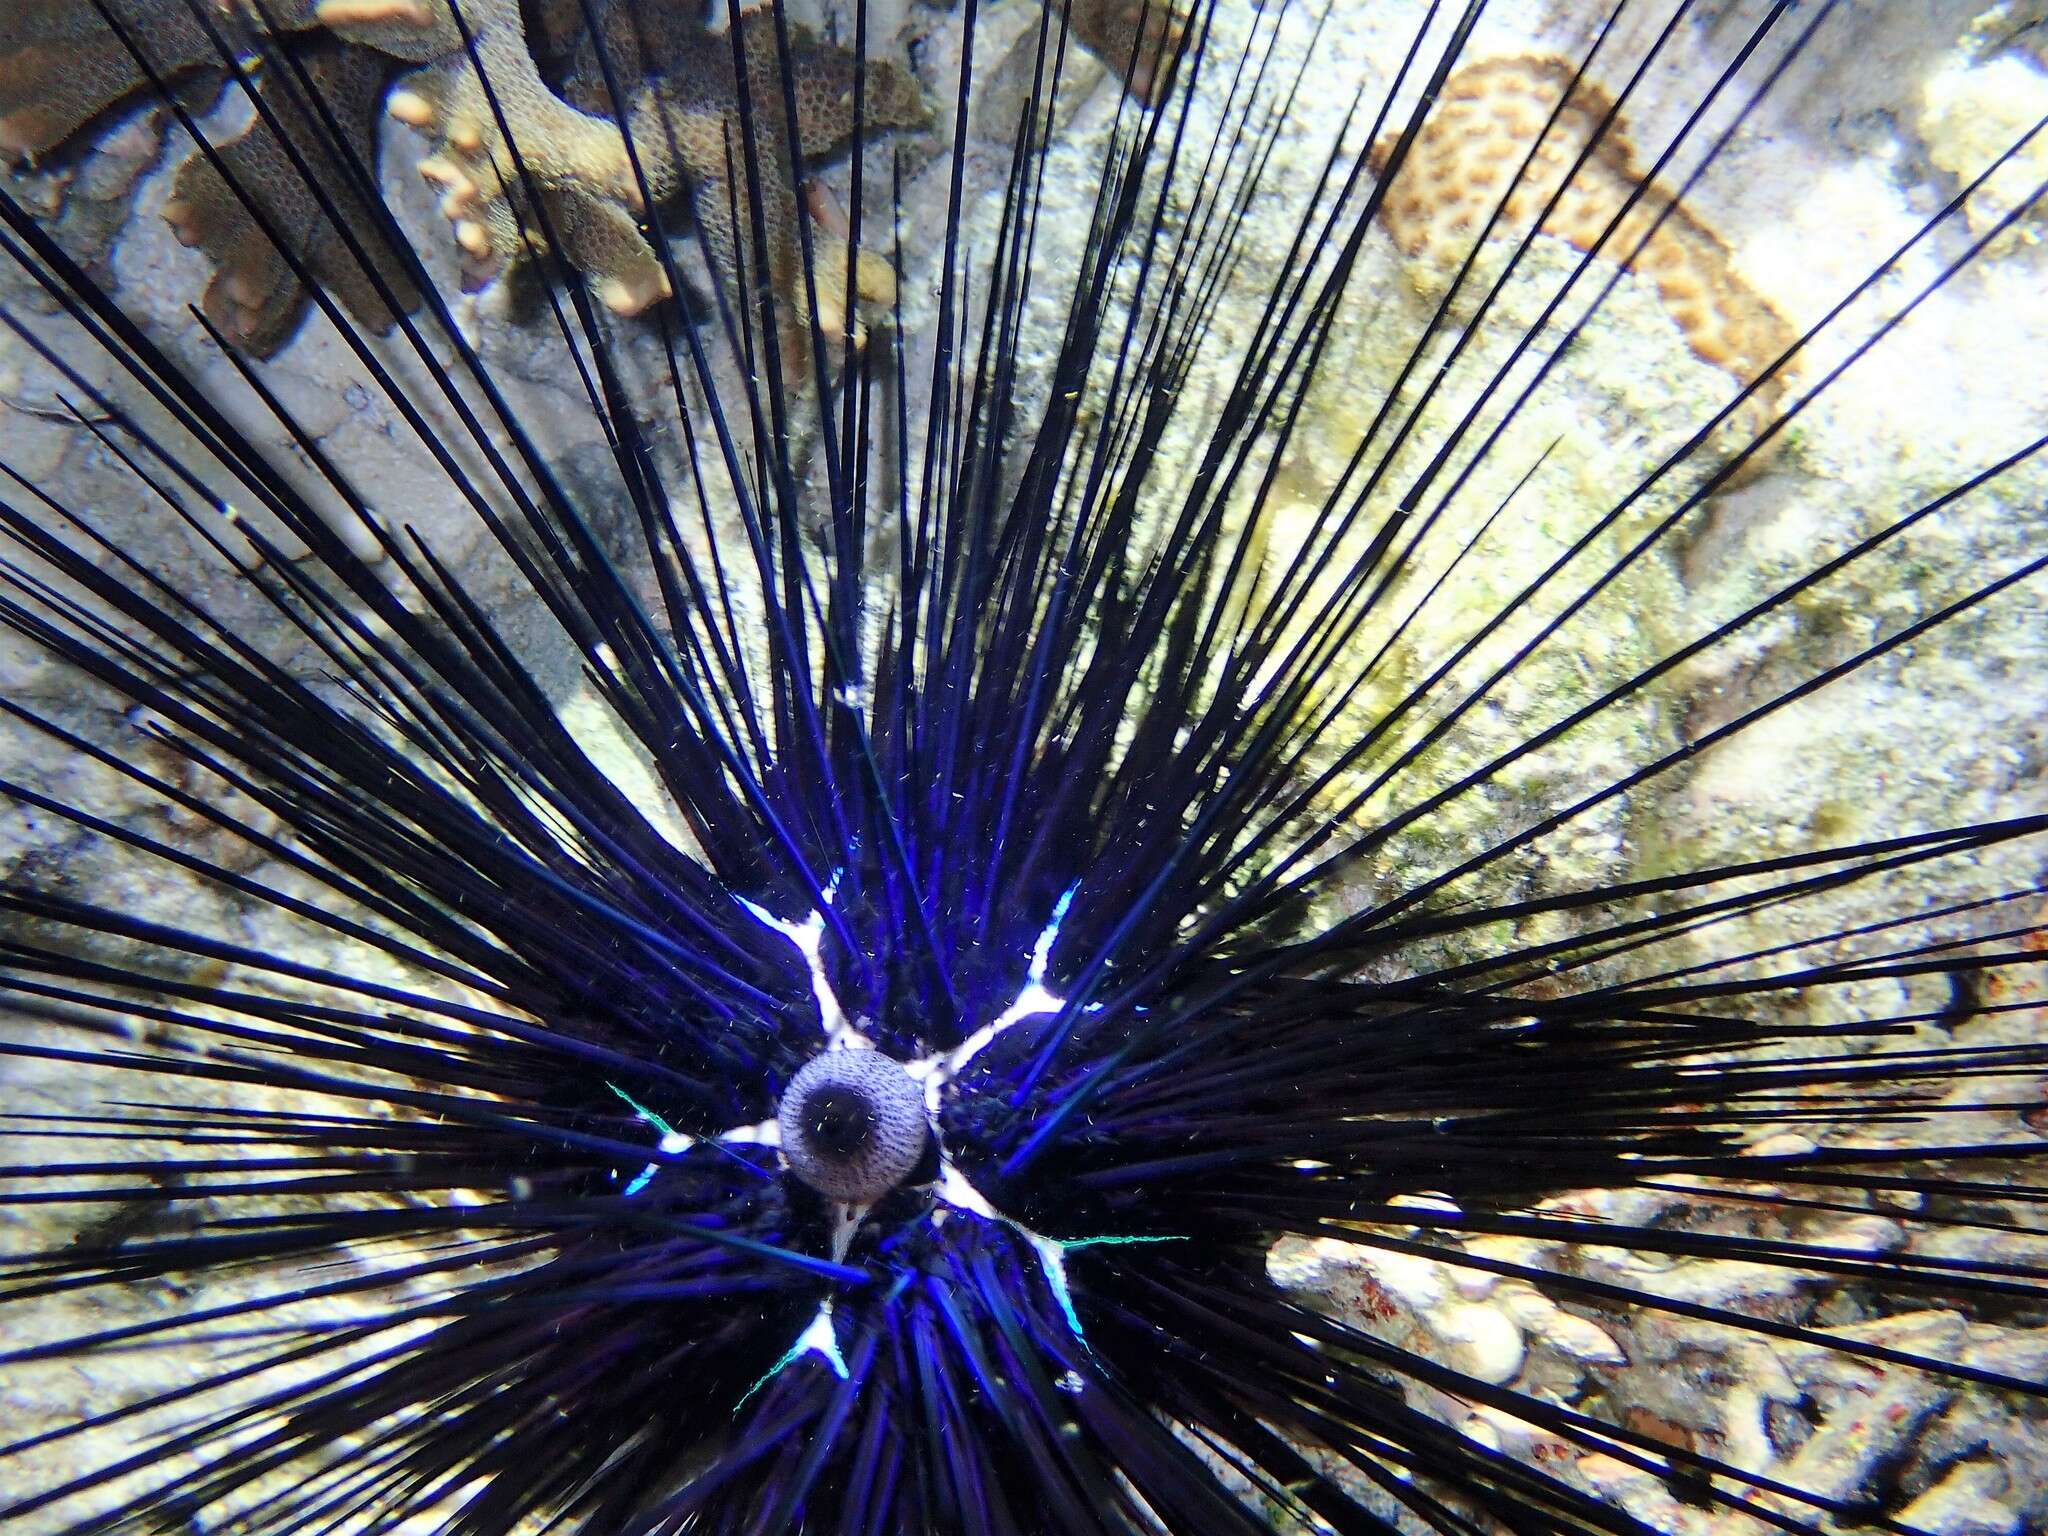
{"points": [[69, 63], [1546, 286]]}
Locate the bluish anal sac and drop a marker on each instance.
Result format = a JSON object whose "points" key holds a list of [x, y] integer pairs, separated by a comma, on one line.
{"points": [[873, 1129], [853, 1124]]}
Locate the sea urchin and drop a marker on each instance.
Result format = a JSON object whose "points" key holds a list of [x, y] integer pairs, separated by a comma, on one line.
{"points": [[771, 940]]}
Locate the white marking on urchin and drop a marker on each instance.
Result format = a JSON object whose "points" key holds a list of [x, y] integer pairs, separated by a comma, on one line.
{"points": [[952, 1189], [818, 1338], [673, 1143], [1032, 1001], [809, 938]]}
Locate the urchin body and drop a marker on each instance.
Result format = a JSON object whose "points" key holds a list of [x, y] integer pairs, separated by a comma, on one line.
{"points": [[899, 1147]]}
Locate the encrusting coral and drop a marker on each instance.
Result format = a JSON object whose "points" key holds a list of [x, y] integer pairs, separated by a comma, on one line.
{"points": [[61, 64], [1465, 162], [463, 74], [254, 297], [66, 63], [685, 113]]}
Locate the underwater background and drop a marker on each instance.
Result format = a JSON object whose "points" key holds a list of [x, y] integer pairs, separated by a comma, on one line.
{"points": [[1873, 126]]}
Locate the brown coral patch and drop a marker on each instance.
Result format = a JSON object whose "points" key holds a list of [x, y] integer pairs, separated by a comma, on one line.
{"points": [[685, 110], [691, 117], [65, 64], [255, 297], [1139, 39], [62, 65], [570, 178], [462, 98], [574, 161], [1462, 170]]}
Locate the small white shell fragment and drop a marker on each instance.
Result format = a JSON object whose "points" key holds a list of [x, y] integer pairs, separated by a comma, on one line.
{"points": [[1745, 1431], [1441, 1204], [2022, 1353], [1479, 1431], [1967, 1502], [1783, 1144], [1863, 1234], [1488, 1344], [1564, 1331], [1416, 1282], [1312, 1264], [1474, 1284], [1511, 1250], [1605, 1471], [1516, 1435], [1581, 1339], [1645, 1497], [1525, 1304], [1933, 1332], [1713, 1282]]}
